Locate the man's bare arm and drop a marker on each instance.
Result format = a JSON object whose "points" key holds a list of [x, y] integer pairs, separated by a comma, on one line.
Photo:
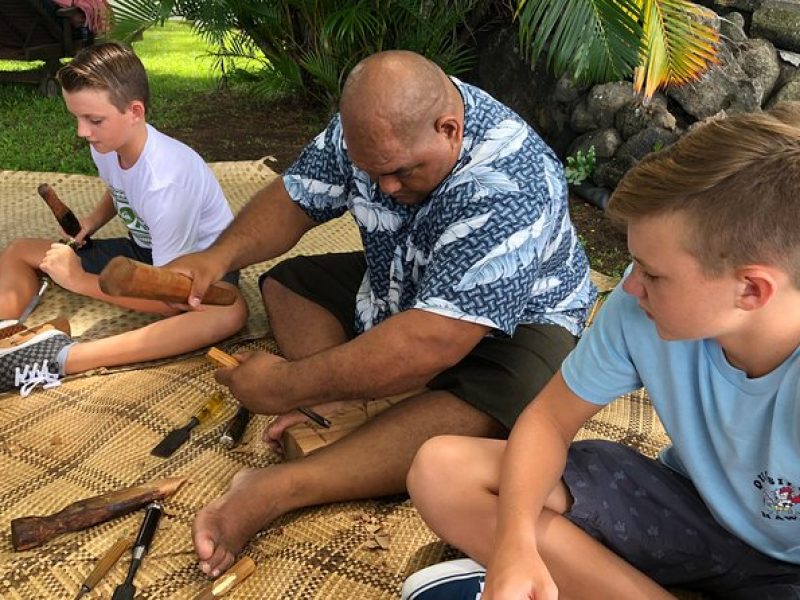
{"points": [[269, 225], [402, 353]]}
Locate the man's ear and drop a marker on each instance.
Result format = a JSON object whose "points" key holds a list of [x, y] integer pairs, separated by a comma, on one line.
{"points": [[757, 286], [451, 127]]}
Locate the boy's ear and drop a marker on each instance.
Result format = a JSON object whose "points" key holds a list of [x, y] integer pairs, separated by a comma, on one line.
{"points": [[137, 109], [758, 285]]}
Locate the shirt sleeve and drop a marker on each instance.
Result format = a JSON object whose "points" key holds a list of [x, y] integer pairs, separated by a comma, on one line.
{"points": [[601, 367], [319, 180]]}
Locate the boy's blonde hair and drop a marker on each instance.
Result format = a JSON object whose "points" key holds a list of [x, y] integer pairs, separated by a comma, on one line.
{"points": [[110, 67], [738, 181]]}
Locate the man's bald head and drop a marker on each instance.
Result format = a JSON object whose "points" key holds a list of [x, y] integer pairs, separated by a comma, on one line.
{"points": [[403, 123], [398, 92]]}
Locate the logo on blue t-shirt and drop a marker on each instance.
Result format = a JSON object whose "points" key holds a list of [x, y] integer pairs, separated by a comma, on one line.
{"points": [[780, 499]]}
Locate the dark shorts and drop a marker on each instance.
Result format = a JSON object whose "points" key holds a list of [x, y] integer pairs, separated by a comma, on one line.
{"points": [[499, 377], [97, 255], [654, 518]]}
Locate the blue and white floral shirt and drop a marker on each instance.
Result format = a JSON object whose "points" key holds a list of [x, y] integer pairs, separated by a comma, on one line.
{"points": [[493, 244]]}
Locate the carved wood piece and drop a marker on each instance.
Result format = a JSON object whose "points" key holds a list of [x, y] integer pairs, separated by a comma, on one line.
{"points": [[29, 532], [126, 277]]}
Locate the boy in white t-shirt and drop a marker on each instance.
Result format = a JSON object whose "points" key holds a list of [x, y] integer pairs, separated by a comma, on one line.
{"points": [[708, 320], [164, 193]]}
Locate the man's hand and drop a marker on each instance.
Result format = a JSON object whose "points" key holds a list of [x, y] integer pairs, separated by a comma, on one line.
{"points": [[258, 383], [203, 269], [64, 267]]}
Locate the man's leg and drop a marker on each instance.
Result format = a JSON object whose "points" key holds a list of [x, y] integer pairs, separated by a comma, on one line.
{"points": [[371, 461], [464, 514], [301, 328], [19, 280]]}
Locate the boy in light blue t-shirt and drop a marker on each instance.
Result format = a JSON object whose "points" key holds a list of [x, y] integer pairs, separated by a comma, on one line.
{"points": [[708, 320]]}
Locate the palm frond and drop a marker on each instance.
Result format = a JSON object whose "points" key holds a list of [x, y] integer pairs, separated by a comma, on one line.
{"points": [[594, 40], [130, 18], [679, 46]]}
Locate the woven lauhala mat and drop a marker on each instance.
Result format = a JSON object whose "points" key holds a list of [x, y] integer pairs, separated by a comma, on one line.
{"points": [[24, 214], [94, 434]]}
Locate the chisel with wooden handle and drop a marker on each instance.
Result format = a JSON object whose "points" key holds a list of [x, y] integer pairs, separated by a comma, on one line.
{"points": [[126, 277], [177, 437], [65, 217]]}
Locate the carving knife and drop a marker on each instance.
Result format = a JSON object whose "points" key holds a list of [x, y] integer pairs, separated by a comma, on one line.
{"points": [[177, 437]]}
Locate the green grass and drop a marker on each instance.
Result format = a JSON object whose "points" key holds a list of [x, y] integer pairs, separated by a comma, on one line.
{"points": [[38, 134]]}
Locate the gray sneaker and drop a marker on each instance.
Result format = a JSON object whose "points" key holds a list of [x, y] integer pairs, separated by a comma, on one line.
{"points": [[32, 362]]}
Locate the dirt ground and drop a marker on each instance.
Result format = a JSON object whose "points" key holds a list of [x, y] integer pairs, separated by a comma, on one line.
{"points": [[232, 127]]}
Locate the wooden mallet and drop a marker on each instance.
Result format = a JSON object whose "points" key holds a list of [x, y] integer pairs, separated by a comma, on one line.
{"points": [[125, 277]]}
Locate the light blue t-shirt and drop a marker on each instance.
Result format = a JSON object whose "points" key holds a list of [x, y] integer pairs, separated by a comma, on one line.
{"points": [[737, 439], [493, 244]]}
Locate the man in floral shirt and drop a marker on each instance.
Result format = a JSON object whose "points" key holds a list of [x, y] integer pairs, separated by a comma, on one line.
{"points": [[472, 283]]}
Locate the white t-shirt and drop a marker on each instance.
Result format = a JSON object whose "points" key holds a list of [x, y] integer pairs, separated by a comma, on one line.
{"points": [[169, 200]]}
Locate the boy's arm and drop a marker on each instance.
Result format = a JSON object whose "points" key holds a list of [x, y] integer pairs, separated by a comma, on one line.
{"points": [[269, 225], [102, 213], [533, 465], [62, 264]]}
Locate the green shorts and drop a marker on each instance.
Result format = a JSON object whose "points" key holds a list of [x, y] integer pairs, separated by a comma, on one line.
{"points": [[500, 376]]}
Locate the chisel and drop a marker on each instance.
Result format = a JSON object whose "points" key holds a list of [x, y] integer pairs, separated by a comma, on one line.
{"points": [[177, 437]]}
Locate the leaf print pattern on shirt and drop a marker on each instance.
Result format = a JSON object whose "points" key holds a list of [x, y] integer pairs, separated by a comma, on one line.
{"points": [[442, 248], [516, 252], [374, 217], [315, 193], [461, 229]]}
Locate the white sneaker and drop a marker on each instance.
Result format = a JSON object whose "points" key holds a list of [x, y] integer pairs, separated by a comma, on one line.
{"points": [[453, 580]]}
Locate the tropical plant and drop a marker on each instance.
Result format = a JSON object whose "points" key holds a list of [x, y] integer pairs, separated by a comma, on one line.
{"points": [[580, 166], [308, 46], [657, 42]]}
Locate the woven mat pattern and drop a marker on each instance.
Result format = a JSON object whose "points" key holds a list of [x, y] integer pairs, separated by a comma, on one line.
{"points": [[94, 434]]}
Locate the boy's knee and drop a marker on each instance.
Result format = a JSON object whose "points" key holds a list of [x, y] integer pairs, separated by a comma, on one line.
{"points": [[433, 460]]}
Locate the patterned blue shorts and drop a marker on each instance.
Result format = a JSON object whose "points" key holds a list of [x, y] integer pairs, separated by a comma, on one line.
{"points": [[653, 517]]}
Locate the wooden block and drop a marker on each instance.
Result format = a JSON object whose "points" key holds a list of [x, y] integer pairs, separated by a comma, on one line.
{"points": [[305, 438]]}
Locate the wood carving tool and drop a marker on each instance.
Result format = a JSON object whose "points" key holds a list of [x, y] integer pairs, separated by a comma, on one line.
{"points": [[177, 437], [13, 326], [126, 590], [228, 580], [29, 532], [234, 430], [126, 277], [223, 359], [65, 217], [103, 566]]}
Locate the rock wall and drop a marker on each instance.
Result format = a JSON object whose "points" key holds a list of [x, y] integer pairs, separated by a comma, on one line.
{"points": [[759, 65]]}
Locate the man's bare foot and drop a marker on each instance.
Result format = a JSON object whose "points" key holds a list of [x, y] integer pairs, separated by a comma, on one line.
{"points": [[223, 528], [272, 434]]}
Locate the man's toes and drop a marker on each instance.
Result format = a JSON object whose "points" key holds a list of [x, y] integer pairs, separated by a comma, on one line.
{"points": [[204, 543]]}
